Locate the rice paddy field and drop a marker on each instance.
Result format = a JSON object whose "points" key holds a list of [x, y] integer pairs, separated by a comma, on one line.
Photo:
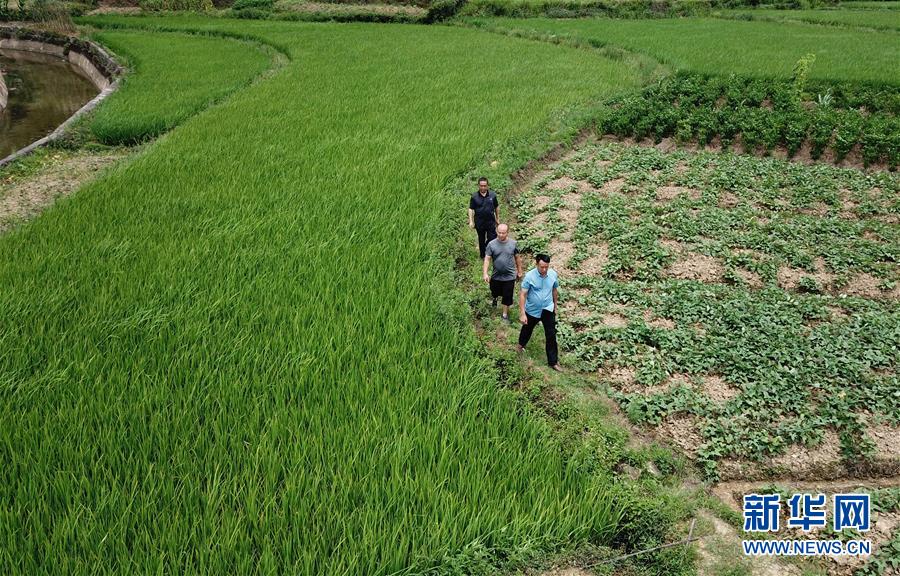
{"points": [[867, 18], [250, 347], [717, 46], [232, 354]]}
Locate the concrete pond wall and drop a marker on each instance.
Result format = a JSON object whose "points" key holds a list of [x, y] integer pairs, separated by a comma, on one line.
{"points": [[92, 60]]}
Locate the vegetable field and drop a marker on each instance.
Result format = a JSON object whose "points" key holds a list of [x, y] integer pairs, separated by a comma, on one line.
{"points": [[748, 307]]}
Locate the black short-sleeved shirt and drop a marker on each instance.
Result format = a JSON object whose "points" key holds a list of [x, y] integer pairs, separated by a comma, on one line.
{"points": [[484, 207]]}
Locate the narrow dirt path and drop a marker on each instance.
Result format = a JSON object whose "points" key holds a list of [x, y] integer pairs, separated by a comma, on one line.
{"points": [[22, 198]]}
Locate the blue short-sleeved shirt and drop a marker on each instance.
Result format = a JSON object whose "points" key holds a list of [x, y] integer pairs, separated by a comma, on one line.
{"points": [[540, 291]]}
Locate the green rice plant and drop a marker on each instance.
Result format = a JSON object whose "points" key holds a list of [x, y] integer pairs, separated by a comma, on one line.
{"points": [[878, 19], [720, 47], [173, 77], [240, 352]]}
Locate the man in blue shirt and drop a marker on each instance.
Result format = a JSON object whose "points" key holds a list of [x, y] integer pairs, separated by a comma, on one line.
{"points": [[538, 296]]}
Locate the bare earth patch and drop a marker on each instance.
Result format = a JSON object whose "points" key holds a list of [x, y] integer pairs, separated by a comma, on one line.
{"points": [[799, 457], [751, 278], [24, 199], [669, 193], [865, 285], [789, 278], [651, 320], [718, 390], [693, 266], [593, 265], [886, 439], [682, 431], [614, 321]]}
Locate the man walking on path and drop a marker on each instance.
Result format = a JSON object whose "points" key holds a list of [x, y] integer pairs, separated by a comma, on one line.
{"points": [[484, 214], [537, 303], [507, 268]]}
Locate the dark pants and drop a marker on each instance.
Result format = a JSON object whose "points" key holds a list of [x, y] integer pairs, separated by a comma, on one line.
{"points": [[485, 235], [548, 319]]}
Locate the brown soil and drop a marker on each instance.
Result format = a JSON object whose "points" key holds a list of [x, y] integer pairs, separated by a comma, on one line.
{"points": [[682, 431], [560, 253], [621, 377], [693, 266], [751, 278], [886, 439], [593, 265], [718, 390], [316, 7], [789, 278], [563, 183], [612, 187], [669, 193], [23, 199], [541, 202], [866, 286], [614, 321], [815, 209], [651, 320], [728, 200], [798, 456], [115, 10]]}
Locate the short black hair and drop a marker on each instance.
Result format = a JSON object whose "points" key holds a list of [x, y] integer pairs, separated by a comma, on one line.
{"points": [[482, 179], [542, 258]]}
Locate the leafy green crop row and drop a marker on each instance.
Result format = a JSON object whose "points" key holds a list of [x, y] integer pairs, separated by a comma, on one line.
{"points": [[765, 114], [798, 361], [237, 354]]}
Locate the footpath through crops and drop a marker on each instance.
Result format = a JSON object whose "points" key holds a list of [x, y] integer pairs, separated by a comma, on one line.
{"points": [[235, 353]]}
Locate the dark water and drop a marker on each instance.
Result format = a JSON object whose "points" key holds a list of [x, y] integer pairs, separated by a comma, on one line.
{"points": [[43, 91]]}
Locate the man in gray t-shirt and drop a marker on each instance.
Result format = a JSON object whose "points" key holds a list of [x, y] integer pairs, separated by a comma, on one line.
{"points": [[504, 254]]}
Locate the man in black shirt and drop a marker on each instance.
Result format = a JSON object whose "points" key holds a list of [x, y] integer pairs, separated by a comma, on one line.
{"points": [[484, 214]]}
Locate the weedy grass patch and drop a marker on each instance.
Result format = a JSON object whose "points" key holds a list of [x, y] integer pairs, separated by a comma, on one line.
{"points": [[237, 352], [751, 48], [746, 305]]}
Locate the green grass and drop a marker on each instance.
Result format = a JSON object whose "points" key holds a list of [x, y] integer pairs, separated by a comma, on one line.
{"points": [[173, 77], [800, 356], [879, 19], [716, 46], [235, 353], [872, 4]]}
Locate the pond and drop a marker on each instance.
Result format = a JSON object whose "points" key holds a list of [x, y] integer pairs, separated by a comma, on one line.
{"points": [[44, 91]]}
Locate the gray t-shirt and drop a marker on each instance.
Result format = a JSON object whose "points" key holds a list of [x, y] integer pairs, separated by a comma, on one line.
{"points": [[503, 256]]}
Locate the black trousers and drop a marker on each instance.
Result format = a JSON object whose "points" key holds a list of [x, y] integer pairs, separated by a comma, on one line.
{"points": [[485, 235], [548, 319]]}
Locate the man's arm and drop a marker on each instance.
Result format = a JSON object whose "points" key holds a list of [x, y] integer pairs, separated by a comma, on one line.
{"points": [[518, 266], [497, 210], [487, 263], [555, 299], [523, 294]]}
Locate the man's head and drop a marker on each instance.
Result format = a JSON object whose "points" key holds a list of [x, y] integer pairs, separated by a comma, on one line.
{"points": [[502, 232], [542, 261], [483, 185]]}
